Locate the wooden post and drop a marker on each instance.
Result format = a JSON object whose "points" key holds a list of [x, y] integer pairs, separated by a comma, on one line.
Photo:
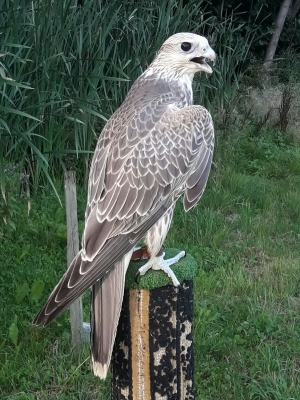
{"points": [[153, 353], [72, 250]]}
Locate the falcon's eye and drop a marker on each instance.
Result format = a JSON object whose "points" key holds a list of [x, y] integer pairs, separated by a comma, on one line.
{"points": [[186, 46]]}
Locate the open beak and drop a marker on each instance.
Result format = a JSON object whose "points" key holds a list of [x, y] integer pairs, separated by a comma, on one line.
{"points": [[201, 61]]}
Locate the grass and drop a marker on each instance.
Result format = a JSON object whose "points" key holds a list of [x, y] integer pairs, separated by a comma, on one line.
{"points": [[69, 68], [62, 75], [245, 237]]}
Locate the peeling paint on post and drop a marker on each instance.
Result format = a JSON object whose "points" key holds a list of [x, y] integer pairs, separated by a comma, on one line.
{"points": [[153, 357]]}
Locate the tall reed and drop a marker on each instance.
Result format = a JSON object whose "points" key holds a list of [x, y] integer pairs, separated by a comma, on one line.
{"points": [[65, 68]]}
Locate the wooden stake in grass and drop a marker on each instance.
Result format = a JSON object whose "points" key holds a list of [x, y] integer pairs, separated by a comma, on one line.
{"points": [[73, 248]]}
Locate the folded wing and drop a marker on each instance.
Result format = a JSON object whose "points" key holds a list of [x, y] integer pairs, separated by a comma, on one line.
{"points": [[141, 166]]}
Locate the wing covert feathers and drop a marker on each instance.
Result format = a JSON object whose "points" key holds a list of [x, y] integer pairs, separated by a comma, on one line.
{"points": [[182, 147]]}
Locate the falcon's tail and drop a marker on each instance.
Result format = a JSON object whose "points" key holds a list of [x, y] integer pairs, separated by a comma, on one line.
{"points": [[106, 304]]}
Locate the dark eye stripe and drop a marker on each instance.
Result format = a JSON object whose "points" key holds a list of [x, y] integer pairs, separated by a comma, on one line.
{"points": [[186, 46]]}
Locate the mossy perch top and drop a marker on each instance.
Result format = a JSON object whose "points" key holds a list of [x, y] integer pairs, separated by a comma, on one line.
{"points": [[184, 269]]}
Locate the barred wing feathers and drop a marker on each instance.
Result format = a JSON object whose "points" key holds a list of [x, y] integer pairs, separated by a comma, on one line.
{"points": [[144, 161]]}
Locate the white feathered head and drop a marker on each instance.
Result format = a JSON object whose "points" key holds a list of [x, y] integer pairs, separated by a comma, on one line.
{"points": [[185, 53]]}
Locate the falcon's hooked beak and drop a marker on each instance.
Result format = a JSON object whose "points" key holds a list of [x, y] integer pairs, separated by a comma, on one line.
{"points": [[201, 61]]}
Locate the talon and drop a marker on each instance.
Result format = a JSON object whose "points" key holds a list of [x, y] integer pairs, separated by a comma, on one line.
{"points": [[159, 263], [137, 277]]}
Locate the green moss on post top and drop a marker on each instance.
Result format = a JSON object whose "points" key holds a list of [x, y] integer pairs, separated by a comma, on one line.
{"points": [[184, 269]]}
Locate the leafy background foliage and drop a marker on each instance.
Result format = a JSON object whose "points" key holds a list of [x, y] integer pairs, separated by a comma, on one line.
{"points": [[65, 69]]}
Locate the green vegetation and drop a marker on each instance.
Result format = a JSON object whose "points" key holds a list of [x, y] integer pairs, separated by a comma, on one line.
{"points": [[68, 68], [245, 237], [65, 66]]}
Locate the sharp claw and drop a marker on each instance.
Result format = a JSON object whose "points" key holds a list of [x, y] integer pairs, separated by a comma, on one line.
{"points": [[137, 277]]}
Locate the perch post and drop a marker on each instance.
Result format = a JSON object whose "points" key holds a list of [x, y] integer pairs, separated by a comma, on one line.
{"points": [[153, 353], [72, 250]]}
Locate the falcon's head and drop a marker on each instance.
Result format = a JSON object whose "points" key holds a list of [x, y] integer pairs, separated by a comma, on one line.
{"points": [[186, 53]]}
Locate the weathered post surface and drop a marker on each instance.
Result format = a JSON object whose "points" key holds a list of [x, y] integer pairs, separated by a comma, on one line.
{"points": [[153, 354], [72, 250]]}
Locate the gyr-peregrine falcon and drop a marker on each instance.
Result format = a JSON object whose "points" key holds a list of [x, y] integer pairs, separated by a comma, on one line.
{"points": [[155, 148]]}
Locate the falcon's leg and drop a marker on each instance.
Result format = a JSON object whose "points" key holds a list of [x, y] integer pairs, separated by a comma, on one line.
{"points": [[154, 240]]}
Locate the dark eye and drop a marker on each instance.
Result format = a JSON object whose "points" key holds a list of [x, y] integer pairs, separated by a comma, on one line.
{"points": [[186, 46]]}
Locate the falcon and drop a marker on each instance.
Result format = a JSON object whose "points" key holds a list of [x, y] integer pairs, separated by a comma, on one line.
{"points": [[154, 149]]}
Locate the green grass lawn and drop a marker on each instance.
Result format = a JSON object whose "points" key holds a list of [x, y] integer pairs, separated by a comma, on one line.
{"points": [[245, 236]]}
